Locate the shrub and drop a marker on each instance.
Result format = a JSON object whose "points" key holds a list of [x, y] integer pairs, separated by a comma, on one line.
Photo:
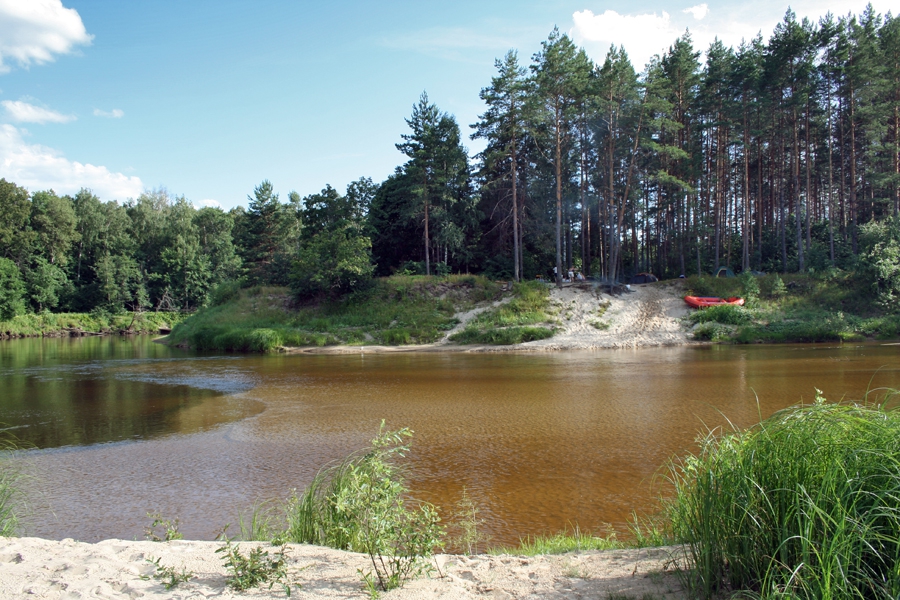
{"points": [[332, 264], [361, 505], [804, 505]]}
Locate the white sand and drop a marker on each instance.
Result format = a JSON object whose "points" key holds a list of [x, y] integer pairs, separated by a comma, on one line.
{"points": [[36, 568]]}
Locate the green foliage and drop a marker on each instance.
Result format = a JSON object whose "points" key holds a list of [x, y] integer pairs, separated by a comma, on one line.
{"points": [[12, 290], [394, 310], [502, 337], [804, 505], [11, 501], [99, 321], [247, 571], [511, 322], [777, 288], [712, 331], [162, 529], [879, 260], [727, 314], [362, 504], [332, 264], [169, 577]]}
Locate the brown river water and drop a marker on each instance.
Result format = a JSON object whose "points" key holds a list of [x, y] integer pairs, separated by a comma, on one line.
{"points": [[540, 442]]}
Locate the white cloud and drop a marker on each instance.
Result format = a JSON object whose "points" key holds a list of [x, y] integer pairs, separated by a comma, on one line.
{"points": [[208, 202], [35, 31], [23, 112], [699, 11], [642, 35], [116, 113], [37, 167]]}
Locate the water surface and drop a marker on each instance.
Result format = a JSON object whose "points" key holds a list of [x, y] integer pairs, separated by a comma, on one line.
{"points": [[539, 441]]}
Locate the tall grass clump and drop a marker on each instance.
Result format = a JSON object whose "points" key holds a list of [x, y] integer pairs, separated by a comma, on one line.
{"points": [[10, 489], [804, 505]]}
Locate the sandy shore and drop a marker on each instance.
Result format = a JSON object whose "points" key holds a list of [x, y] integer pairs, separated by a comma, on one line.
{"points": [[647, 316], [36, 568]]}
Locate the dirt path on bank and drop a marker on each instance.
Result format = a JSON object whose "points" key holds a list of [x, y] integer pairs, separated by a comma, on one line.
{"points": [[37, 568]]}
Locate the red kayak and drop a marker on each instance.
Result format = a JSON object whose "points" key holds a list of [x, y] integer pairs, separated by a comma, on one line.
{"points": [[704, 301]]}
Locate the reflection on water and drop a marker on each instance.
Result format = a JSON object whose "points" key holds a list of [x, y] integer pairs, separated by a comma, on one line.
{"points": [[81, 391], [540, 442]]}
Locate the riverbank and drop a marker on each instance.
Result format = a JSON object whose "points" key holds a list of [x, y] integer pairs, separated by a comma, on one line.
{"points": [[87, 324], [122, 569], [584, 317]]}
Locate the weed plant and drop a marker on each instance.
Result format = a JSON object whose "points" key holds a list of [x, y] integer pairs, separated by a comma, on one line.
{"points": [[169, 577], [162, 529], [804, 505], [256, 568]]}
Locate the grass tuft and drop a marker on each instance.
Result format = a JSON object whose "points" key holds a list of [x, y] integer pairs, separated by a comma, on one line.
{"points": [[804, 505]]}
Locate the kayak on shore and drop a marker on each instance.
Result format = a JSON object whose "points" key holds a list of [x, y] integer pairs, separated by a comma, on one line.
{"points": [[705, 301]]}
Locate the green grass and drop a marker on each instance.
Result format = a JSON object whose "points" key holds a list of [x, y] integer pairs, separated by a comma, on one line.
{"points": [[562, 542], [522, 319], [11, 500], [49, 324], [804, 505], [394, 311]]}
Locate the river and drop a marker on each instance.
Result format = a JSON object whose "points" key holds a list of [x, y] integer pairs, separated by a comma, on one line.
{"points": [[120, 427]]}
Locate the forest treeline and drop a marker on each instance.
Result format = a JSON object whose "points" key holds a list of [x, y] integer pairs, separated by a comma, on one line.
{"points": [[778, 155]]}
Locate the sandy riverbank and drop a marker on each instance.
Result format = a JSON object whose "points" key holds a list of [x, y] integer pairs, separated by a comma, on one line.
{"points": [[649, 315], [36, 568]]}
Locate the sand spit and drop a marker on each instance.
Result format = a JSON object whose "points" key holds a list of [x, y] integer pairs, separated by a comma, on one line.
{"points": [[37, 568], [589, 318]]}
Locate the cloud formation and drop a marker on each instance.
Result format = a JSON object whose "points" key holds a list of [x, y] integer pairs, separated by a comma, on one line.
{"points": [[37, 167], [208, 202], [642, 35], [35, 31], [23, 112], [699, 11], [115, 113]]}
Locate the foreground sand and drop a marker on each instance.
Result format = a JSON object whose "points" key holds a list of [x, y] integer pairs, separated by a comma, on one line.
{"points": [[37, 568], [649, 315]]}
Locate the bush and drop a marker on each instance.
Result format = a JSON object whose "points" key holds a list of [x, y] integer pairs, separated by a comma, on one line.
{"points": [[361, 505], [804, 505], [332, 263]]}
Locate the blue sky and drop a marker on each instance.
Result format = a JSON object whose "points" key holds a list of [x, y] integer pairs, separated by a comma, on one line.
{"points": [[208, 98]]}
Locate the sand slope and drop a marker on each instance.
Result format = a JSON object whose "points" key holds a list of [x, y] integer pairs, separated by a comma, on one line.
{"points": [[36, 568]]}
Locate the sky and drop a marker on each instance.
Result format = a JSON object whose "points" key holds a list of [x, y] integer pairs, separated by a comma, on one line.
{"points": [[208, 98]]}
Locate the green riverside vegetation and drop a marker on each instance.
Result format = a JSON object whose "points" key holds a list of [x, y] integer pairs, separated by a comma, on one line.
{"points": [[97, 322], [831, 306], [524, 318], [397, 310], [804, 505]]}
